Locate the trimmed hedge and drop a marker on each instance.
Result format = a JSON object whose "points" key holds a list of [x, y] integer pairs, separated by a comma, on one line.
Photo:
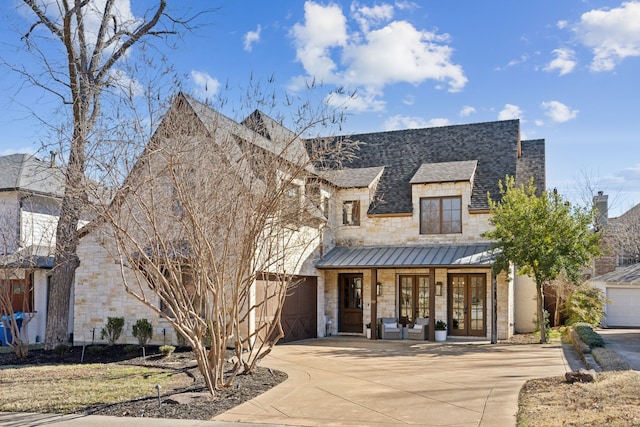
{"points": [[588, 335]]}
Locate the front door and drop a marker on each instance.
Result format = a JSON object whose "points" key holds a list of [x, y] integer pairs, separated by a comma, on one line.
{"points": [[350, 316], [467, 308], [414, 298]]}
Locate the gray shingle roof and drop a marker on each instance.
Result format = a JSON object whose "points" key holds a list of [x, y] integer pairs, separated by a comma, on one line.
{"points": [[532, 164], [407, 256], [630, 275], [352, 178], [24, 172], [493, 144], [445, 172]]}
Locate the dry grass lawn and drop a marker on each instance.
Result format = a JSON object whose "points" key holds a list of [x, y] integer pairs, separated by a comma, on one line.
{"points": [[612, 400], [67, 388]]}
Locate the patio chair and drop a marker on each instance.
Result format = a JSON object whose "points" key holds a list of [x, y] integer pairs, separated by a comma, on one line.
{"points": [[389, 328], [419, 330]]}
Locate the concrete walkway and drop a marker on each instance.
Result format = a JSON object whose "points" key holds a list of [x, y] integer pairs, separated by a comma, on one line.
{"points": [[356, 382], [625, 342], [344, 381]]}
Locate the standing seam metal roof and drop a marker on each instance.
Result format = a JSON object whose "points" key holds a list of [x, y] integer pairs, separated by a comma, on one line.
{"points": [[408, 256]]}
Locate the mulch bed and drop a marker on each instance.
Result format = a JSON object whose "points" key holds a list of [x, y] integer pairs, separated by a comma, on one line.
{"points": [[193, 402]]}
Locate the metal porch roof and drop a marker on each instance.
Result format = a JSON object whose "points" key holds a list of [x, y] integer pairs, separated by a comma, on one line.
{"points": [[407, 256]]}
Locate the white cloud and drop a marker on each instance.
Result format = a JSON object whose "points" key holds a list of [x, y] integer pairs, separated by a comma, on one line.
{"points": [[467, 110], [252, 37], [380, 54], [539, 122], [611, 34], [630, 178], [564, 62], [558, 112], [324, 28], [409, 100], [523, 58], [562, 25], [366, 102], [510, 112], [205, 85], [410, 122], [367, 16]]}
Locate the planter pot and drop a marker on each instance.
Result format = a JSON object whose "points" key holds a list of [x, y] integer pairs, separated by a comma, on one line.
{"points": [[441, 335], [368, 333]]}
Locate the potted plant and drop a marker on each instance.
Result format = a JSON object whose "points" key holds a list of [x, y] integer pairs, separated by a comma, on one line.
{"points": [[368, 330], [441, 330]]}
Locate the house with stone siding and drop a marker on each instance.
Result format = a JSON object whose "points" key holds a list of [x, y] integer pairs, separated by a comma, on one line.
{"points": [[400, 237]]}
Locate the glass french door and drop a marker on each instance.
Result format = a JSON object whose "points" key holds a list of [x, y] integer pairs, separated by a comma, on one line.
{"points": [[414, 298], [467, 304]]}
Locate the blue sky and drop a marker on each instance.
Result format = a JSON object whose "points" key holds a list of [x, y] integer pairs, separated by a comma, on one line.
{"points": [[567, 69]]}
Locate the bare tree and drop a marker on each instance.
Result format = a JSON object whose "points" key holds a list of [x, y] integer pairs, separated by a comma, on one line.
{"points": [[81, 47], [214, 221]]}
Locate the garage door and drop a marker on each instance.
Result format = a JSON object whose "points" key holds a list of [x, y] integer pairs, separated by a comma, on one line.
{"points": [[299, 312], [624, 311]]}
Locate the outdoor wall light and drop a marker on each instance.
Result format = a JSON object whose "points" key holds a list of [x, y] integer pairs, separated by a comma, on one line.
{"points": [[439, 289], [378, 288]]}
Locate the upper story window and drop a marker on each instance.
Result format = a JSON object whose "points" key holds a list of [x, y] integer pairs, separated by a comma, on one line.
{"points": [[351, 212], [441, 215]]}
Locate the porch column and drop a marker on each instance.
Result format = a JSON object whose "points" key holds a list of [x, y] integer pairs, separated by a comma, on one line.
{"points": [[432, 304], [494, 308], [374, 303]]}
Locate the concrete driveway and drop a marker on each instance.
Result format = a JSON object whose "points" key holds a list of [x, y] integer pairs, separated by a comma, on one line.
{"points": [[625, 342], [347, 382]]}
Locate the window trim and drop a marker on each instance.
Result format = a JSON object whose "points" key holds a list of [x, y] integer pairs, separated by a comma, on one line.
{"points": [[355, 212], [440, 215]]}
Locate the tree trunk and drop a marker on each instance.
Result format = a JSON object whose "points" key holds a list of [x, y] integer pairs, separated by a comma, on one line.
{"points": [[541, 320], [66, 259]]}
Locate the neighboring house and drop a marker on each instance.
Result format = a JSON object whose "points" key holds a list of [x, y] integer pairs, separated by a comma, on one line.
{"points": [[401, 235], [622, 288], [617, 271], [30, 195]]}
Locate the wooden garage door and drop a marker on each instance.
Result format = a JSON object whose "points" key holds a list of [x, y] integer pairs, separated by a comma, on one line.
{"points": [[623, 311], [299, 313]]}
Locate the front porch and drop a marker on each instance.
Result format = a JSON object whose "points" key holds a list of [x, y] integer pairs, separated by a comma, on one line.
{"points": [[454, 284]]}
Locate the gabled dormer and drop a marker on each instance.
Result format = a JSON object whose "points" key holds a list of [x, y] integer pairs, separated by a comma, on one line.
{"points": [[441, 194]]}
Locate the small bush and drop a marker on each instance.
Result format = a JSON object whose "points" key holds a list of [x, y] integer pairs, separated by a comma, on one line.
{"points": [[588, 335], [585, 304], [166, 350], [143, 331], [113, 329]]}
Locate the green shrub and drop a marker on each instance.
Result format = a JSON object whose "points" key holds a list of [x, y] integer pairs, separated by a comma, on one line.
{"points": [[166, 350], [588, 335], [441, 325], [113, 329], [143, 331], [585, 304]]}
